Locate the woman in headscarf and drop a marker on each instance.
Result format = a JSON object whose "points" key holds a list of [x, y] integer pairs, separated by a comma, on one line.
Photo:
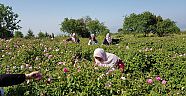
{"points": [[73, 38], [108, 39], [110, 60], [92, 40]]}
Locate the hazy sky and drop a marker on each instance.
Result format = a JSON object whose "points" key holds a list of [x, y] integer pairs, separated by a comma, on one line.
{"points": [[46, 15]]}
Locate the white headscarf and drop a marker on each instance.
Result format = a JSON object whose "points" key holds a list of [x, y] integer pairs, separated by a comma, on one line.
{"points": [[108, 38], [109, 59], [92, 35], [73, 37], [73, 34]]}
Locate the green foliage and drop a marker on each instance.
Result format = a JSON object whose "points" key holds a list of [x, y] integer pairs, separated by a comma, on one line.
{"points": [[68, 25], [83, 26], [147, 23], [41, 35], [30, 34], [8, 21], [18, 34], [74, 26], [95, 27], [142, 23], [130, 23], [145, 58], [166, 27]]}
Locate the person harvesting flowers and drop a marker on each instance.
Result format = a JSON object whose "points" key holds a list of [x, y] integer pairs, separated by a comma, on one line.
{"points": [[110, 60], [14, 79]]}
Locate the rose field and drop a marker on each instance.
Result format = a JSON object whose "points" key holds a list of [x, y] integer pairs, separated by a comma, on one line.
{"points": [[154, 66]]}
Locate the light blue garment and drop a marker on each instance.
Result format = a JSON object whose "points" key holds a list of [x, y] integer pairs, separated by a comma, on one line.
{"points": [[1, 91]]}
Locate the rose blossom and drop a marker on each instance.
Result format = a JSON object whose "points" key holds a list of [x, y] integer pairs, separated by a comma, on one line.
{"points": [[158, 78], [164, 82], [50, 56], [65, 70], [149, 81]]}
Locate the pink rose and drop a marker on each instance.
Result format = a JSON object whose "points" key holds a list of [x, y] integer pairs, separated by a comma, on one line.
{"points": [[50, 56], [164, 82], [149, 81], [158, 78], [65, 70]]}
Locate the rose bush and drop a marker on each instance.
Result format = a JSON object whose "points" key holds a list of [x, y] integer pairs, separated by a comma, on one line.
{"points": [[154, 66]]}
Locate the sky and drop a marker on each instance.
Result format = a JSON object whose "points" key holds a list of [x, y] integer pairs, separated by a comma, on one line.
{"points": [[47, 15]]}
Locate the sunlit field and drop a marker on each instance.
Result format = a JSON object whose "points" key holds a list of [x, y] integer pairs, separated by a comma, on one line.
{"points": [[154, 66]]}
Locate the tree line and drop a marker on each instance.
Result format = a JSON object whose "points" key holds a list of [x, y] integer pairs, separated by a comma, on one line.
{"points": [[30, 34], [145, 23]]}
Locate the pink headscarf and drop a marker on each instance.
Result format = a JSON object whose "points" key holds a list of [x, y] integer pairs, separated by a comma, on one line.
{"points": [[109, 59]]}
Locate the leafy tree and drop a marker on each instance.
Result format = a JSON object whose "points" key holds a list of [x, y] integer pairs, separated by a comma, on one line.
{"points": [[18, 34], [166, 27], [147, 23], [130, 23], [83, 26], [68, 25], [94, 26], [30, 34], [104, 30], [142, 23], [159, 19], [74, 26], [41, 35], [8, 21]]}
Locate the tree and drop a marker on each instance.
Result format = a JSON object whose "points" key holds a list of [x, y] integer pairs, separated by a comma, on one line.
{"points": [[74, 26], [41, 35], [68, 25], [18, 34], [8, 21], [166, 27], [81, 29], [94, 26], [130, 23], [142, 23], [148, 23], [30, 34], [83, 26]]}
